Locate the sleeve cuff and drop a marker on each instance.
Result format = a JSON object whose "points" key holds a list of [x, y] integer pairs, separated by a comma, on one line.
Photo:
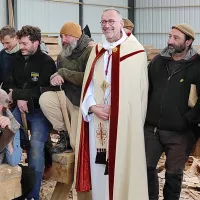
{"points": [[85, 108]]}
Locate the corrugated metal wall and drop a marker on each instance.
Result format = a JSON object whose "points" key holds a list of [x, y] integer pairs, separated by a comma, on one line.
{"points": [[92, 10], [154, 18], [50, 15], [3, 15]]}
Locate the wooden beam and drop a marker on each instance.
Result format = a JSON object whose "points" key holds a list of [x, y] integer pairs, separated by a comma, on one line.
{"points": [[10, 13]]}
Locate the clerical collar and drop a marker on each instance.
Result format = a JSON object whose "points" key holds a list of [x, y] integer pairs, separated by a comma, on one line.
{"points": [[109, 46]]}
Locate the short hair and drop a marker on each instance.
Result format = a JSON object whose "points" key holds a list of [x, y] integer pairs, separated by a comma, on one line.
{"points": [[7, 30], [116, 10], [34, 33]]}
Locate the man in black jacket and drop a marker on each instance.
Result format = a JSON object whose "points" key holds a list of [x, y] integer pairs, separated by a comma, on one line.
{"points": [[31, 70], [169, 117], [10, 43]]}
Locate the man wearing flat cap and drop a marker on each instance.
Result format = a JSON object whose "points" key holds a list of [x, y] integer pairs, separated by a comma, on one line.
{"points": [[61, 105], [169, 116], [128, 26]]}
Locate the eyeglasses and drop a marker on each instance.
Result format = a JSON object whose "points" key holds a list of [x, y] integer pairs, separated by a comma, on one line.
{"points": [[110, 22]]}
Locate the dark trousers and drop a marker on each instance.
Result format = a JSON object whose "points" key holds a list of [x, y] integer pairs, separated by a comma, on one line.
{"points": [[177, 147]]}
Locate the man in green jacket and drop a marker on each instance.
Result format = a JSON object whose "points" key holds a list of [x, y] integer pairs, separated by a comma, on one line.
{"points": [[61, 105]]}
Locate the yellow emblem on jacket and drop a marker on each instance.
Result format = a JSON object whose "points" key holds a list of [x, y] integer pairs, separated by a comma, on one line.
{"points": [[34, 76]]}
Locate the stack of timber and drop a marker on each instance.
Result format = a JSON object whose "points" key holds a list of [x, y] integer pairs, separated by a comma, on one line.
{"points": [[151, 51], [191, 179], [52, 45], [197, 47]]}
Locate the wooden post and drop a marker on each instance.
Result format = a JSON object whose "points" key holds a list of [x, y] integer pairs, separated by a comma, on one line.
{"points": [[10, 13]]}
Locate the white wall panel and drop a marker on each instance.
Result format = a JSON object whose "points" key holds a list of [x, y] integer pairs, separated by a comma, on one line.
{"points": [[48, 15], [154, 18], [3, 15]]}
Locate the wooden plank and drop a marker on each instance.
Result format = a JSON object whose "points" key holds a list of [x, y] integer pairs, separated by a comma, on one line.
{"points": [[50, 40], [54, 52], [63, 167], [153, 51], [53, 47], [61, 191]]}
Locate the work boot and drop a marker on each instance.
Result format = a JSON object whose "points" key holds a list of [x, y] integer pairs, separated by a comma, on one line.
{"points": [[172, 188], [153, 185], [63, 143]]}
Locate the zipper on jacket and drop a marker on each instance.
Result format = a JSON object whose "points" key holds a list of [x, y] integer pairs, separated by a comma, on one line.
{"points": [[161, 107], [155, 130]]}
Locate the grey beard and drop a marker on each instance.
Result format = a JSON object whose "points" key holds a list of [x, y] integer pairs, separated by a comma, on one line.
{"points": [[67, 50], [176, 49]]}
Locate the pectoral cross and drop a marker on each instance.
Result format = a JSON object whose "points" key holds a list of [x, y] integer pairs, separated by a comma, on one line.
{"points": [[104, 86]]}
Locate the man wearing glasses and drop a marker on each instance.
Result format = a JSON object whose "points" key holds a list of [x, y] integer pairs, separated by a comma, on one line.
{"points": [[110, 142]]}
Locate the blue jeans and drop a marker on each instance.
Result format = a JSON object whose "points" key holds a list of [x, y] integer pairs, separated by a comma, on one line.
{"points": [[40, 129]]}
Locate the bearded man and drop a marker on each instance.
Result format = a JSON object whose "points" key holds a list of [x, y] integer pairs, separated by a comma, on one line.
{"points": [[169, 116], [61, 105]]}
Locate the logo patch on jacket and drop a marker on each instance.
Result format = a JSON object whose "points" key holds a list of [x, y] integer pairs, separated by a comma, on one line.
{"points": [[34, 76], [181, 80]]}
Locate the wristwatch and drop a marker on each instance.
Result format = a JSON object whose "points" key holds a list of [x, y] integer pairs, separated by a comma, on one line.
{"points": [[89, 112]]}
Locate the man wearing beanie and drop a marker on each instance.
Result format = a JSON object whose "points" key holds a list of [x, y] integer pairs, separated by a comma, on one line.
{"points": [[61, 107], [128, 26], [169, 116]]}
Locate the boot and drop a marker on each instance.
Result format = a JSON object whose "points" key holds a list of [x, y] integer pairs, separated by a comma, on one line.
{"points": [[63, 143], [172, 188]]}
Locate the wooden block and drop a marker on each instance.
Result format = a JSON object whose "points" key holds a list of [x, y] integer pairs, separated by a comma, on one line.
{"points": [[64, 158], [10, 188], [153, 51], [9, 172], [63, 167], [10, 182], [50, 40], [61, 191]]}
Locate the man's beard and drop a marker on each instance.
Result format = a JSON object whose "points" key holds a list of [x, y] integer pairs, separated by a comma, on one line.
{"points": [[67, 49], [176, 48]]}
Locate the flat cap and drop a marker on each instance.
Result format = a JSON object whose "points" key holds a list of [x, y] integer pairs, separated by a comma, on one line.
{"points": [[186, 29]]}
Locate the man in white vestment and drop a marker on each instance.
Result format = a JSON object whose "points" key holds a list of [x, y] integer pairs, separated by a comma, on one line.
{"points": [[110, 153]]}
